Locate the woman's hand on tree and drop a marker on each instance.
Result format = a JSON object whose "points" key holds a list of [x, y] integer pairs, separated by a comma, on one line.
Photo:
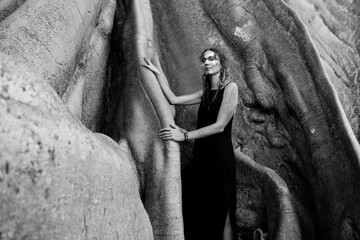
{"points": [[173, 133], [148, 64], [176, 126]]}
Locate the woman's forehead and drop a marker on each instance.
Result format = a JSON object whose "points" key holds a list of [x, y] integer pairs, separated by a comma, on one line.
{"points": [[209, 53]]}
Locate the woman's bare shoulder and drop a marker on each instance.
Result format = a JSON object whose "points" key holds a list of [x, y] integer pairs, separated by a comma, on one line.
{"points": [[232, 86]]}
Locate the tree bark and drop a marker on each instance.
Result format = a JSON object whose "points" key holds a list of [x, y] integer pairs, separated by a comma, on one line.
{"points": [[296, 65]]}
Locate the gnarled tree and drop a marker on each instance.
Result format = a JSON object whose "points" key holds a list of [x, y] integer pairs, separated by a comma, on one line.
{"points": [[73, 68]]}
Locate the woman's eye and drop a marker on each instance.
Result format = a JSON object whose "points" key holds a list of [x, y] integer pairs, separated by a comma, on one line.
{"points": [[210, 59]]}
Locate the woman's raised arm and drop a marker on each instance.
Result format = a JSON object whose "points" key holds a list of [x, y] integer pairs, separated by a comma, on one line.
{"points": [[189, 99]]}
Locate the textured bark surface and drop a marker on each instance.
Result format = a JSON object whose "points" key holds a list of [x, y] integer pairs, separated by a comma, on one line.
{"points": [[289, 119], [67, 43], [7, 7], [297, 154], [333, 26], [272, 208], [58, 180], [142, 111]]}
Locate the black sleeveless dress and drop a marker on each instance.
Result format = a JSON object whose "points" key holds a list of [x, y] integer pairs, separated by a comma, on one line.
{"points": [[209, 181]]}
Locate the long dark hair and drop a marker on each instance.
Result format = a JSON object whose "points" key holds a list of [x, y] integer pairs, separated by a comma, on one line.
{"points": [[207, 79]]}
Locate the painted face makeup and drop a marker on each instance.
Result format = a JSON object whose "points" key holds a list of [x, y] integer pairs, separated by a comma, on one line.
{"points": [[210, 63]]}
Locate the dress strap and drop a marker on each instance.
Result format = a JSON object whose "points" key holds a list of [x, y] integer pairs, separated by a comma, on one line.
{"points": [[225, 85]]}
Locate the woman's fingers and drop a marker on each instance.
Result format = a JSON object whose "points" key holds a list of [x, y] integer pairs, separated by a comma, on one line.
{"points": [[145, 66], [149, 65], [172, 133], [173, 126], [151, 68], [166, 137], [165, 134], [165, 129], [147, 62]]}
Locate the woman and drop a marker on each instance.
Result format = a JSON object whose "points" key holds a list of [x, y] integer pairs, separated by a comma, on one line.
{"points": [[209, 196]]}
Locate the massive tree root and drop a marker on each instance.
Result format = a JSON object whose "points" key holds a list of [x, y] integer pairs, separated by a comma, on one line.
{"points": [[141, 112], [58, 180], [267, 195]]}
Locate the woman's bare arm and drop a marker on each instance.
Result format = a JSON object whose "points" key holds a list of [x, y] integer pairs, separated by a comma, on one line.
{"points": [[189, 99]]}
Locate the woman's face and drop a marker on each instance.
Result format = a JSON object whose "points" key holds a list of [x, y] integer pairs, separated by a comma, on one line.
{"points": [[210, 63]]}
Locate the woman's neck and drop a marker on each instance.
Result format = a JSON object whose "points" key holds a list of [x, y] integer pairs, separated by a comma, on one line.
{"points": [[215, 81]]}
